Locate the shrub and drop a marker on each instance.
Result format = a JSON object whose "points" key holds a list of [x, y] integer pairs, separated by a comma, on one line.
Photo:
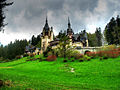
{"points": [[1, 58], [118, 49], [1, 83], [31, 55], [101, 58], [45, 53], [108, 47], [81, 60], [25, 55], [105, 57], [72, 60], [87, 58], [113, 54], [7, 60], [51, 58], [18, 56], [73, 53], [64, 60], [91, 54], [78, 56], [49, 53]]}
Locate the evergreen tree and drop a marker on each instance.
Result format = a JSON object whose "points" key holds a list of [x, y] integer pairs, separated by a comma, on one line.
{"points": [[92, 39], [64, 44], [3, 4], [112, 31], [34, 40], [38, 38], [98, 36]]}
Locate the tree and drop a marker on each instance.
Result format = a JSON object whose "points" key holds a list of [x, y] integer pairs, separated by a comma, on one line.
{"points": [[92, 39], [61, 34], [98, 36], [34, 40], [64, 44], [38, 38], [3, 4], [112, 31]]}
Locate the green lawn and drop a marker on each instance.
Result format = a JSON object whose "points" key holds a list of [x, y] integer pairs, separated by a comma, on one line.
{"points": [[35, 75]]}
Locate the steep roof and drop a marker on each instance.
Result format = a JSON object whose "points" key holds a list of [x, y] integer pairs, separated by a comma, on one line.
{"points": [[46, 27], [69, 30]]}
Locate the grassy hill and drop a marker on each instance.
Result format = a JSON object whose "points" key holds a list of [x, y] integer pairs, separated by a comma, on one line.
{"points": [[35, 75]]}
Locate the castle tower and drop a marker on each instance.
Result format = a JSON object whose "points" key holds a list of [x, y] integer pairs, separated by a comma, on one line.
{"points": [[47, 36], [69, 30], [86, 37], [51, 34], [46, 29]]}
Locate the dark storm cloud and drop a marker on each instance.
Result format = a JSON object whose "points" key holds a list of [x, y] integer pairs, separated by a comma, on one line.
{"points": [[29, 15]]}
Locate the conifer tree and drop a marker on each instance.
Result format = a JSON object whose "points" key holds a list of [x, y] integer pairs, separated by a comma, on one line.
{"points": [[3, 4]]}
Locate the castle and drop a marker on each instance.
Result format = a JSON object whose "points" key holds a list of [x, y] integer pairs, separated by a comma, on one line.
{"points": [[77, 40]]}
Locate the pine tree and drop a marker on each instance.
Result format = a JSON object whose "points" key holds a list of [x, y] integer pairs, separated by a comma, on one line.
{"points": [[112, 31], [3, 4], [98, 36]]}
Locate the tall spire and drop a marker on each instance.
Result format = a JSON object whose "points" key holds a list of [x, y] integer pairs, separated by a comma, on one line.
{"points": [[69, 30], [46, 20], [69, 25], [46, 27]]}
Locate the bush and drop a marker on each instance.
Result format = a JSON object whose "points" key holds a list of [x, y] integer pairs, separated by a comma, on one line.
{"points": [[31, 55], [78, 56], [91, 54], [1, 83], [7, 60], [49, 53], [108, 54], [108, 47], [18, 56], [1, 58], [101, 58], [73, 53], [40, 59], [51, 58], [64, 60], [45, 54], [105, 57], [87, 58], [25, 55], [81, 60], [72, 60]]}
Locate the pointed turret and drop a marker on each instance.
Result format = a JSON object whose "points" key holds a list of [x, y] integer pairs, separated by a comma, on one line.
{"points": [[69, 25], [69, 30], [46, 27]]}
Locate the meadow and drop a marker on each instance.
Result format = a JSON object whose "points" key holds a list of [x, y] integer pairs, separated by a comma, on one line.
{"points": [[95, 74]]}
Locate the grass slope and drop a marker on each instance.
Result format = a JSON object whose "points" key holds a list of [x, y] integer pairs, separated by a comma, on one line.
{"points": [[35, 75]]}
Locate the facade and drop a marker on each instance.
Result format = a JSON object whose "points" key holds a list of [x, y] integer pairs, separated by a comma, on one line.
{"points": [[78, 40]]}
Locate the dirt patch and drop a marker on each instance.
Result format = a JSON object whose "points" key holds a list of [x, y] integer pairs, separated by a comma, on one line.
{"points": [[6, 67]]}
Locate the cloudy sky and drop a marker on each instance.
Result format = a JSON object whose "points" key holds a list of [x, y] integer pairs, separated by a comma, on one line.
{"points": [[27, 17]]}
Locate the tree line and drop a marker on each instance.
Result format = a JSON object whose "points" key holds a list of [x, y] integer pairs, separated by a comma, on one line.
{"points": [[95, 39], [13, 49], [36, 41]]}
